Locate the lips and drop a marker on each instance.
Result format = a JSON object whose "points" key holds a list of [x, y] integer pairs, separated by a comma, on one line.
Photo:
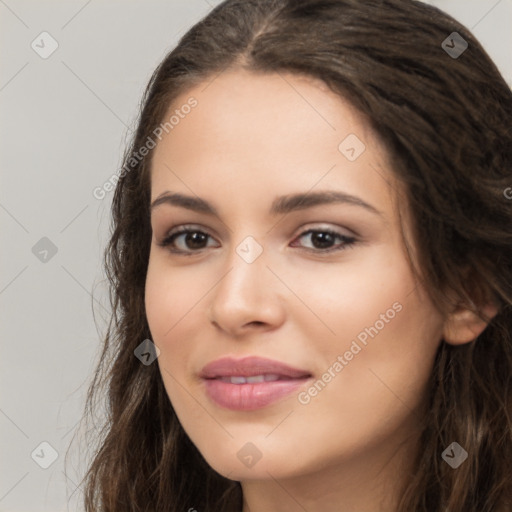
{"points": [[250, 383], [250, 366]]}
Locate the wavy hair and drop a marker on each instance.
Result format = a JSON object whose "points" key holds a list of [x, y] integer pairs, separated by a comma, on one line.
{"points": [[446, 123]]}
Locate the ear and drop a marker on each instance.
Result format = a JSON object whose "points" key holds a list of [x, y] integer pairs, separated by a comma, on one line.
{"points": [[464, 325]]}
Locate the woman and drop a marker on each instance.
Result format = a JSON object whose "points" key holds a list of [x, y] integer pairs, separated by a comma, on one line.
{"points": [[311, 270]]}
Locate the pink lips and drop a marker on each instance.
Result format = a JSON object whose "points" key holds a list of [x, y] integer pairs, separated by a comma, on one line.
{"points": [[250, 383]]}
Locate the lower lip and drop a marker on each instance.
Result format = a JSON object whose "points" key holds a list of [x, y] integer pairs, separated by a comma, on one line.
{"points": [[249, 397]]}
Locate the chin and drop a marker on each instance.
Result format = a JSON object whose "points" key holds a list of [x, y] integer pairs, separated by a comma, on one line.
{"points": [[253, 461]]}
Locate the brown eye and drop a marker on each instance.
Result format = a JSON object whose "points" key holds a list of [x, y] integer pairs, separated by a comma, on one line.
{"points": [[322, 240], [187, 240], [195, 240]]}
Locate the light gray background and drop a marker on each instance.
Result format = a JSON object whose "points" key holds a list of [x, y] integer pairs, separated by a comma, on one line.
{"points": [[64, 124]]}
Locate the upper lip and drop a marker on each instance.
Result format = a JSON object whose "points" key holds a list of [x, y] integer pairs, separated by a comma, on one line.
{"points": [[248, 367]]}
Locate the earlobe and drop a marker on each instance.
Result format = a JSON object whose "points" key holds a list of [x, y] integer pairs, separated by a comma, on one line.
{"points": [[463, 325]]}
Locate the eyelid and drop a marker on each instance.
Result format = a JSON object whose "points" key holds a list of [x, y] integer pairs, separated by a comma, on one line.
{"points": [[320, 226], [347, 240], [185, 228], [188, 227], [303, 230]]}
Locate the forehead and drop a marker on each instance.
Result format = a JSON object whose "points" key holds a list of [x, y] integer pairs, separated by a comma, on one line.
{"points": [[239, 104], [263, 120], [279, 132]]}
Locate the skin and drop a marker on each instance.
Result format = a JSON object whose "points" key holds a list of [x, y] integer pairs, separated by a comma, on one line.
{"points": [[250, 139]]}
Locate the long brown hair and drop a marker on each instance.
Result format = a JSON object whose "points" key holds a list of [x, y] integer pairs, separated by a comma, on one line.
{"points": [[446, 121]]}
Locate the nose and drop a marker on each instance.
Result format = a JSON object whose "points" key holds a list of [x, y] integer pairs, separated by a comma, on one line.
{"points": [[248, 298]]}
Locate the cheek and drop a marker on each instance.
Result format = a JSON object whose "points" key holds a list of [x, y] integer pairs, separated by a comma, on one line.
{"points": [[175, 300], [377, 394], [171, 294], [360, 299], [169, 300], [384, 333], [376, 370], [169, 297]]}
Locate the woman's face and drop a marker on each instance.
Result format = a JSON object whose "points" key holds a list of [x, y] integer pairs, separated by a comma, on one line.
{"points": [[293, 254]]}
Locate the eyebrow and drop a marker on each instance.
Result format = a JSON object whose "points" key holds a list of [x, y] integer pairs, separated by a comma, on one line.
{"points": [[281, 205]]}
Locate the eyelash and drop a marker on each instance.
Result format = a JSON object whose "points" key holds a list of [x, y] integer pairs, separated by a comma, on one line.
{"points": [[347, 241]]}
